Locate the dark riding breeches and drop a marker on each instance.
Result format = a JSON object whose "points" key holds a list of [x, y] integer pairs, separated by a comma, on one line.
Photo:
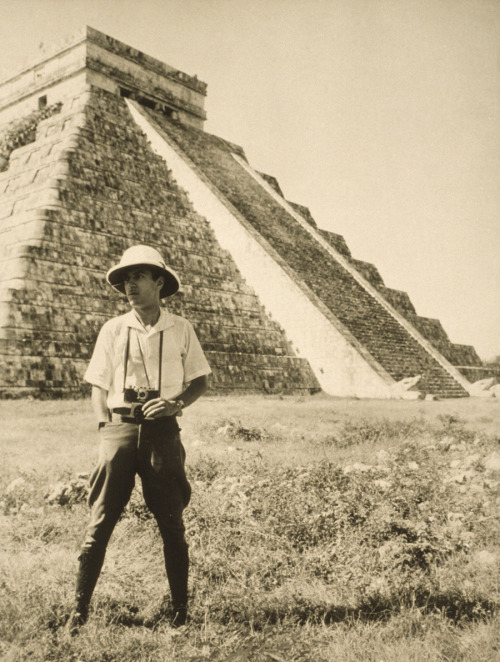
{"points": [[155, 452]]}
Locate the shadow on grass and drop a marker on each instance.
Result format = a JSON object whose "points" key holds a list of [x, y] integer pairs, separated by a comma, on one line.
{"points": [[453, 606], [117, 612]]}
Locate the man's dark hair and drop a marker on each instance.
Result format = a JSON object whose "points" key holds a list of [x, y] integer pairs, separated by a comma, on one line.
{"points": [[156, 273]]}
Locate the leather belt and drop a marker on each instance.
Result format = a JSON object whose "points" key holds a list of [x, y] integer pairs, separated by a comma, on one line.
{"points": [[119, 415], [123, 415], [116, 418]]}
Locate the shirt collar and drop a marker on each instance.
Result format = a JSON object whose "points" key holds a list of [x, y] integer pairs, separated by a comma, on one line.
{"points": [[165, 321]]}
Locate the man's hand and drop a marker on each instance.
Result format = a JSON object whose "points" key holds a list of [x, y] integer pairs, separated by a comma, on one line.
{"points": [[158, 407]]}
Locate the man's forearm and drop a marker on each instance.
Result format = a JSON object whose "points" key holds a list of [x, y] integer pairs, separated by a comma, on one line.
{"points": [[99, 404], [195, 390]]}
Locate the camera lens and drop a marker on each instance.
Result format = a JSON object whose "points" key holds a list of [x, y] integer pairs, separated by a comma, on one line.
{"points": [[142, 394]]}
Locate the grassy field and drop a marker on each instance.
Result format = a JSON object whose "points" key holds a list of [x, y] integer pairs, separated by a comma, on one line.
{"points": [[319, 529]]}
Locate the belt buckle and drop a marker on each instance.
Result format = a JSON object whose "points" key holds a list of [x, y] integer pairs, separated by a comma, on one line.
{"points": [[138, 415]]}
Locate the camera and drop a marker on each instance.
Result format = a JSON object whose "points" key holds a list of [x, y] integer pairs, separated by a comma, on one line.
{"points": [[137, 396]]}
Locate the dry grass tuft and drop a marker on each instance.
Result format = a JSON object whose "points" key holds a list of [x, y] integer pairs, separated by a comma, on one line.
{"points": [[320, 529]]}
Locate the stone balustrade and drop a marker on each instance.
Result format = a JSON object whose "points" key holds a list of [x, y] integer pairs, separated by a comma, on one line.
{"points": [[379, 332]]}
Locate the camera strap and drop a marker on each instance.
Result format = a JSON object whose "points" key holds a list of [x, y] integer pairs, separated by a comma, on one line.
{"points": [[127, 352]]}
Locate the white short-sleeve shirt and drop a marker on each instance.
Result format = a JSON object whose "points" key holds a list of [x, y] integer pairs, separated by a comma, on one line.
{"points": [[182, 356]]}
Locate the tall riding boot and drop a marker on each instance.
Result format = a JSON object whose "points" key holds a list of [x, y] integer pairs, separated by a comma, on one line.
{"points": [[171, 610], [88, 573], [177, 567]]}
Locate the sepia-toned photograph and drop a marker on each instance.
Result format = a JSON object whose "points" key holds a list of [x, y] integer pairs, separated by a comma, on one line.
{"points": [[249, 330]]}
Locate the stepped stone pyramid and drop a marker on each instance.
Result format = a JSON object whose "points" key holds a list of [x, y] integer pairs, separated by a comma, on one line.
{"points": [[103, 147]]}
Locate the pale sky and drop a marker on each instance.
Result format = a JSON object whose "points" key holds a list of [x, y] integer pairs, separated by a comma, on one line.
{"points": [[381, 116]]}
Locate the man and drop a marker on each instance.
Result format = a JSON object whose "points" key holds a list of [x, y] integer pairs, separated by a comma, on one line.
{"points": [[147, 366]]}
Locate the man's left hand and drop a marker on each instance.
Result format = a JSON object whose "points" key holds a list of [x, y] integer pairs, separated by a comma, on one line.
{"points": [[158, 407]]}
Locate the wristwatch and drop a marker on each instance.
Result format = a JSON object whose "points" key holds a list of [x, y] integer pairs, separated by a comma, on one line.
{"points": [[180, 406]]}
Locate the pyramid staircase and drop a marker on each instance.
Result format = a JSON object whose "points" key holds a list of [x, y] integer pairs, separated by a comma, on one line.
{"points": [[352, 290]]}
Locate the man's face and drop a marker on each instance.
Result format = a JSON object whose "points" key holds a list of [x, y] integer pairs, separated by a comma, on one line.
{"points": [[141, 288]]}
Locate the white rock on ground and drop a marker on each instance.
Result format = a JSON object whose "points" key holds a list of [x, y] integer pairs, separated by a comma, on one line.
{"points": [[492, 462], [486, 558], [14, 485]]}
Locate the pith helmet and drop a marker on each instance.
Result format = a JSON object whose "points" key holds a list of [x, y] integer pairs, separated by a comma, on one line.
{"points": [[143, 256]]}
